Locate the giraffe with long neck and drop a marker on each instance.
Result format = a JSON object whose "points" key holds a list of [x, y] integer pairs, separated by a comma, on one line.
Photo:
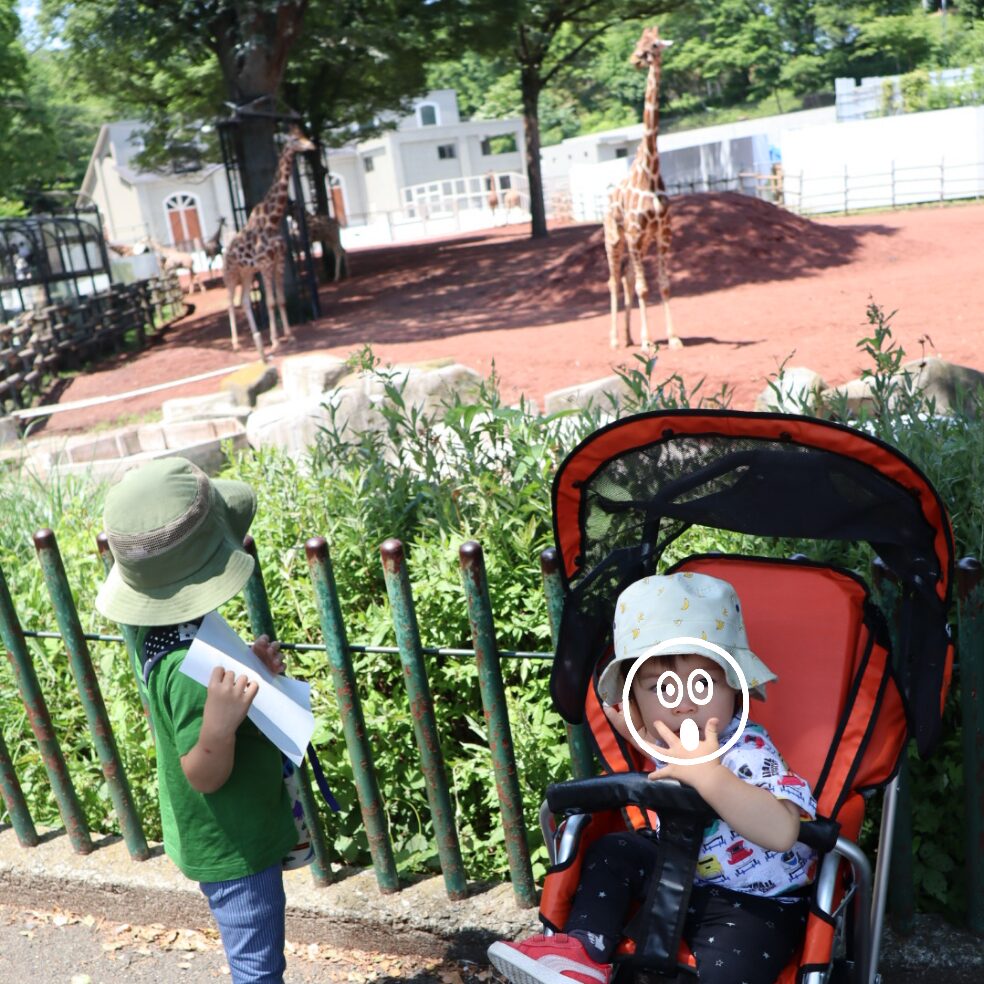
{"points": [[638, 211], [259, 248]]}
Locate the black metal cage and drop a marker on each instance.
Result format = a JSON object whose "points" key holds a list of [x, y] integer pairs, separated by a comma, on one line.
{"points": [[49, 258]]}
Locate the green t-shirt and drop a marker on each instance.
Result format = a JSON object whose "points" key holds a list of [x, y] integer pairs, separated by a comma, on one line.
{"points": [[243, 827]]}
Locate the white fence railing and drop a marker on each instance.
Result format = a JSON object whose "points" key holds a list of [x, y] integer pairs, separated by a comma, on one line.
{"points": [[808, 193], [443, 208]]}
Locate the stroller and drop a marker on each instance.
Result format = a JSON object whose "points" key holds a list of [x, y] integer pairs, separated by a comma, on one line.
{"points": [[619, 499]]}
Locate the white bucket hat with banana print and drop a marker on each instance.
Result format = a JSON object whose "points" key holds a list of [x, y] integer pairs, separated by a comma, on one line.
{"points": [[663, 607]]}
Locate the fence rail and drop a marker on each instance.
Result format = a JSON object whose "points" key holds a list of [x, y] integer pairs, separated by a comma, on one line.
{"points": [[808, 193], [970, 618]]}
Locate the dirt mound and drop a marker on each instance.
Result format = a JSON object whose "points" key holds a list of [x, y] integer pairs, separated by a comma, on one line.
{"points": [[719, 240]]}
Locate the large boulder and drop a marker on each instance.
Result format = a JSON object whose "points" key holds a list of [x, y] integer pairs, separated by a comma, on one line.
{"points": [[599, 393], [308, 375], [797, 390], [293, 425], [244, 385], [948, 387]]}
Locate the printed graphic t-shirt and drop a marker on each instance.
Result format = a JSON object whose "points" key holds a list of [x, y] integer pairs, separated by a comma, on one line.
{"points": [[728, 859], [244, 826]]}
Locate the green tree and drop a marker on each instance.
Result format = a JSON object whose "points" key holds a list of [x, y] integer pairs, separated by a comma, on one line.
{"points": [[358, 61], [176, 61], [13, 78], [541, 40]]}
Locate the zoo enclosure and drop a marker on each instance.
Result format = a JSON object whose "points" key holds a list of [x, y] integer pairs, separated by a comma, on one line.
{"points": [[970, 619]]}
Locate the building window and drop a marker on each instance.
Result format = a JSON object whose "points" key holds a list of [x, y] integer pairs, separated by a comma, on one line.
{"points": [[367, 164], [427, 114], [447, 152], [183, 220], [503, 144], [621, 151]]}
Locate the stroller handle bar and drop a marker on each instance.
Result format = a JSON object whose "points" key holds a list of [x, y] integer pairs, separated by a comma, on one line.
{"points": [[667, 797]]}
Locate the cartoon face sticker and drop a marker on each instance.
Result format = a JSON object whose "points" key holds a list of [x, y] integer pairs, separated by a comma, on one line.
{"points": [[699, 689]]}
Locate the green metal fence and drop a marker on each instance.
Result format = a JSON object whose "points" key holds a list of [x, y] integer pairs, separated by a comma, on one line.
{"points": [[412, 655]]}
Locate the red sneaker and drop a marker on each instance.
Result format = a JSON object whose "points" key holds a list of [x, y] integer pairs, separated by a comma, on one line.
{"points": [[558, 959]]}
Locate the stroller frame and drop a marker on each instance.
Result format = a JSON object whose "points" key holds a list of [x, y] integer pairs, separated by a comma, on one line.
{"points": [[822, 480]]}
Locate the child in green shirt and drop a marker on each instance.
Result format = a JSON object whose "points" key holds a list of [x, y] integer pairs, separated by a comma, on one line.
{"points": [[176, 538]]}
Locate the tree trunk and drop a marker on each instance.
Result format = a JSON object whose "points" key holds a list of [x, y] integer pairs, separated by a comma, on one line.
{"points": [[530, 82], [257, 154], [319, 174]]}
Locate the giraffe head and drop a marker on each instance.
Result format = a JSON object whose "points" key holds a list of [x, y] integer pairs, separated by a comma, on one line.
{"points": [[649, 49], [296, 140]]}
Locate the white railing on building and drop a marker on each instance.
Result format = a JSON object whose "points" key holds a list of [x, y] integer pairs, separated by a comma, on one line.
{"points": [[442, 208]]}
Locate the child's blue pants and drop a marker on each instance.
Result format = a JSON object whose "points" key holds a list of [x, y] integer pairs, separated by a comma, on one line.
{"points": [[250, 914]]}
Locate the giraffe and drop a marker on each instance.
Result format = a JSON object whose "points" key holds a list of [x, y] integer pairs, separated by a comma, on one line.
{"points": [[259, 247], [638, 211], [493, 196], [325, 229]]}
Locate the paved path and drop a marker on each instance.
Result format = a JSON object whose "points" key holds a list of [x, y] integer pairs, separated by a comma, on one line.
{"points": [[57, 947]]}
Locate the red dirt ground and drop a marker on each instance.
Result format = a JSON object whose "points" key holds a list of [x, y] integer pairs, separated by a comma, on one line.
{"points": [[752, 285]]}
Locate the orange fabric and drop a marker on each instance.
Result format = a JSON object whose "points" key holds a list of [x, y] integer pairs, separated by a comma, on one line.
{"points": [[803, 622]]}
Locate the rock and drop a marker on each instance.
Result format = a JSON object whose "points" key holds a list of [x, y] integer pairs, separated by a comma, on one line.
{"points": [[244, 385], [799, 391], [292, 425], [947, 386], [201, 407], [9, 432], [598, 392], [309, 375]]}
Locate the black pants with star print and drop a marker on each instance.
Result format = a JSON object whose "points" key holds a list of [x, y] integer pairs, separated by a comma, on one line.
{"points": [[736, 938]]}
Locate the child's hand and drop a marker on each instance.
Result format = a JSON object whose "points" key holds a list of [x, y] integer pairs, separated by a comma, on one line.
{"points": [[616, 715], [269, 653], [697, 774], [226, 703]]}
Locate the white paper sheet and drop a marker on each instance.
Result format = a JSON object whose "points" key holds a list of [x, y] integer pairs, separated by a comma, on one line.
{"points": [[281, 708]]}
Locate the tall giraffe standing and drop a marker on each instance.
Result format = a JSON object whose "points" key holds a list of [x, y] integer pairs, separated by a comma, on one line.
{"points": [[259, 247], [638, 211]]}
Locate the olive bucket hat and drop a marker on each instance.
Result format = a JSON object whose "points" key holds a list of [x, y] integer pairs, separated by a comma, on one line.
{"points": [[177, 541]]}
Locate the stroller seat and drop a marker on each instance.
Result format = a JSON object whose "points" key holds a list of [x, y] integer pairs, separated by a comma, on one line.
{"points": [[837, 712]]}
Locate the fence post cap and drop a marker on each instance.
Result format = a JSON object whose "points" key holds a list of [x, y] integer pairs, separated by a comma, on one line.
{"points": [[316, 548], [549, 560], [391, 549], [470, 552], [44, 539]]}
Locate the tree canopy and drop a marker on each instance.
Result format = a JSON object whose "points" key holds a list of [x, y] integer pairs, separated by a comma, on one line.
{"points": [[345, 65]]}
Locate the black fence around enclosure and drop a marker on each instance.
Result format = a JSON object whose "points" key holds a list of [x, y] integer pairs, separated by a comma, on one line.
{"points": [[413, 657]]}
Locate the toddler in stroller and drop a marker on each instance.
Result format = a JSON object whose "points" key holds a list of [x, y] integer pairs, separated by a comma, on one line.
{"points": [[748, 906], [840, 707]]}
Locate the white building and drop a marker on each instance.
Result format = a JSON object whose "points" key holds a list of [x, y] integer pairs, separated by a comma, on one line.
{"points": [[429, 175], [430, 152], [173, 209]]}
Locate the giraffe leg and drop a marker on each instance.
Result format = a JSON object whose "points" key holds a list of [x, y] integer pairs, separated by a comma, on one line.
{"points": [[642, 293], [232, 316], [663, 272], [613, 248], [627, 292], [278, 286], [257, 337]]}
